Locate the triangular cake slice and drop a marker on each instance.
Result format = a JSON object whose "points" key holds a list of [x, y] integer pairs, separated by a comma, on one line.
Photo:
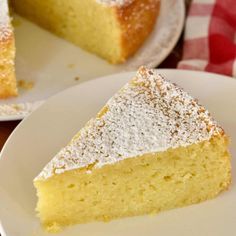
{"points": [[7, 53], [151, 148]]}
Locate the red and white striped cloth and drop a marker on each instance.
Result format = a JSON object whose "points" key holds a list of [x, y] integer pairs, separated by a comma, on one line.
{"points": [[210, 37]]}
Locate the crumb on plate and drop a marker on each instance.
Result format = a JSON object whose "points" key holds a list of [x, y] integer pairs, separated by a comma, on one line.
{"points": [[25, 84]]}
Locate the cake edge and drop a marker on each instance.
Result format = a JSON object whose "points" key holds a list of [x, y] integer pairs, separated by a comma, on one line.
{"points": [[7, 43]]}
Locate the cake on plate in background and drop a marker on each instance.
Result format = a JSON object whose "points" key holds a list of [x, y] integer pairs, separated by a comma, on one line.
{"points": [[112, 29]]}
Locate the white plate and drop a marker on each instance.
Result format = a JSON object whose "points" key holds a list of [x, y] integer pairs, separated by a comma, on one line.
{"points": [[52, 64], [45, 131]]}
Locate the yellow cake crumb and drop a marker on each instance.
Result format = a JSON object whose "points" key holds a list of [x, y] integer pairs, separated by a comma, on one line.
{"points": [[16, 22], [24, 84], [71, 66]]}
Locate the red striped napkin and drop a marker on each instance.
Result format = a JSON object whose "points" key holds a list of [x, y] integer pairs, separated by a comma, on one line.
{"points": [[210, 37]]}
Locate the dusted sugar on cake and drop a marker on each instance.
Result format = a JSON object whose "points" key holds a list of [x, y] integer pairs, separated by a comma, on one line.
{"points": [[7, 53], [114, 30], [152, 147]]}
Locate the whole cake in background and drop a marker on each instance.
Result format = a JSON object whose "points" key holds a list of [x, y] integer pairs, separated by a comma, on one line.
{"points": [[112, 29], [152, 147], [7, 54]]}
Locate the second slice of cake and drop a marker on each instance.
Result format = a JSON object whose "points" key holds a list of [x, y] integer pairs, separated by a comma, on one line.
{"points": [[7, 54], [151, 148]]}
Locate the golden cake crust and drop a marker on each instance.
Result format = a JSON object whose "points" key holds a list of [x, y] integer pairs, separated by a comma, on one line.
{"points": [[137, 21]]}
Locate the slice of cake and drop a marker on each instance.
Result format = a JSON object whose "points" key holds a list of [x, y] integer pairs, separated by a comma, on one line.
{"points": [[151, 148], [7, 54], [112, 29]]}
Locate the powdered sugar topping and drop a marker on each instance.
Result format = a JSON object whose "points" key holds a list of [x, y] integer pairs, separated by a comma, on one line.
{"points": [[149, 114], [5, 28]]}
